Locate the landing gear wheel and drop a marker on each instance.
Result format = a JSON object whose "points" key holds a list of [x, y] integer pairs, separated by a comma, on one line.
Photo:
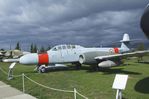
{"points": [[95, 68], [42, 70], [78, 66]]}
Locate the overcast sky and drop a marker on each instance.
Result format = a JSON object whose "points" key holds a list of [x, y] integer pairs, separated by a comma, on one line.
{"points": [[84, 22]]}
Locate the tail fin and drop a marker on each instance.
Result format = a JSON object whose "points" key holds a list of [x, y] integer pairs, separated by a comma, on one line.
{"points": [[125, 42]]}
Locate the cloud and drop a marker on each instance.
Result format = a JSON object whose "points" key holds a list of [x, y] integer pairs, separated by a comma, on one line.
{"points": [[85, 22]]}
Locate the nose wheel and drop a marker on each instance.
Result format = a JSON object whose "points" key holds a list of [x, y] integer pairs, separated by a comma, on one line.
{"points": [[40, 69]]}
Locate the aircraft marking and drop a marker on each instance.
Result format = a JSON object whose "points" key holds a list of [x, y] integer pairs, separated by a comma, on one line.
{"points": [[43, 58], [116, 50]]}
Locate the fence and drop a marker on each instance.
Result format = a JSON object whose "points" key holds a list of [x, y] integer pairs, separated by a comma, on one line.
{"points": [[74, 91]]}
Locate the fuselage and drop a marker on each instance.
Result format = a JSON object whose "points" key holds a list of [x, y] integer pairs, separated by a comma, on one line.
{"points": [[67, 54]]}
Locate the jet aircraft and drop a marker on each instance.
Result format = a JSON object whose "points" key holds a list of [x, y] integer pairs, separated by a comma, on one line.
{"points": [[102, 57], [5, 54], [60, 54]]}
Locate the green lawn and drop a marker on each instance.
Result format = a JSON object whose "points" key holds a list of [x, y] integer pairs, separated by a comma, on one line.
{"points": [[92, 84]]}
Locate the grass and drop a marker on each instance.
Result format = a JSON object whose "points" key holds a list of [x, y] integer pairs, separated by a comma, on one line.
{"points": [[92, 84]]}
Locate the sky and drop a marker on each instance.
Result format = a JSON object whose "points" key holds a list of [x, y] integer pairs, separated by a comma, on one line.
{"points": [[83, 22]]}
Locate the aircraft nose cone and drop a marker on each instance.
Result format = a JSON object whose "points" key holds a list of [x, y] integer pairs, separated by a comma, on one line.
{"points": [[29, 59]]}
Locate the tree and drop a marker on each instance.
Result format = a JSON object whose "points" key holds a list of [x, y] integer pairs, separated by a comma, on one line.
{"points": [[1, 49], [42, 49], [140, 48], [18, 46], [35, 48], [32, 49]]}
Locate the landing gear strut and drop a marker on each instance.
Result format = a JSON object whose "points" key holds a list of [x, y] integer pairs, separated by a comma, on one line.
{"points": [[77, 65], [95, 68]]}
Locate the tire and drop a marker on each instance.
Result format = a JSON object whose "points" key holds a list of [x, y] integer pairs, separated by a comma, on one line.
{"points": [[42, 70], [78, 66]]}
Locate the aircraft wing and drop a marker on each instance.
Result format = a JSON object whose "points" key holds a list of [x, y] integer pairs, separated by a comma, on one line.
{"points": [[130, 54]]}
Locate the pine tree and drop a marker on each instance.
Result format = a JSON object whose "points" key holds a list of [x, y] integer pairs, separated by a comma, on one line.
{"points": [[42, 49], [31, 49], [35, 48], [140, 47], [18, 46]]}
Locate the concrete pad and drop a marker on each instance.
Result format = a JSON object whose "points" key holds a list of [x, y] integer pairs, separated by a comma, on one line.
{"points": [[4, 86], [8, 91], [1, 83], [22, 96]]}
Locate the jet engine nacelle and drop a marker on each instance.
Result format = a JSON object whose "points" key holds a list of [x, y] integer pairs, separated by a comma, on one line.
{"points": [[88, 57], [108, 63]]}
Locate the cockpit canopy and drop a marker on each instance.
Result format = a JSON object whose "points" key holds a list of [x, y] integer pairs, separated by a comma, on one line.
{"points": [[63, 47]]}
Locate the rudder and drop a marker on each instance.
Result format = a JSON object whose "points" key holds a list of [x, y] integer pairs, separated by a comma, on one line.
{"points": [[125, 43]]}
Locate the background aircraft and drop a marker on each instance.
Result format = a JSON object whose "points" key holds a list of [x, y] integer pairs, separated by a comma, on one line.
{"points": [[4, 54], [145, 21], [101, 57]]}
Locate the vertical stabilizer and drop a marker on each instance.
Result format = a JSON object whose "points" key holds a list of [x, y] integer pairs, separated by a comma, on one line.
{"points": [[125, 38], [125, 42]]}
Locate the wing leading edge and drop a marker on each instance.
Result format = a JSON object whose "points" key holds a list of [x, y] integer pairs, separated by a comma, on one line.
{"points": [[122, 55]]}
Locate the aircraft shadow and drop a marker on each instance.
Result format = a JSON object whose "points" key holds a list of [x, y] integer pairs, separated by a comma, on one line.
{"points": [[71, 68], [142, 86], [115, 71], [90, 69], [144, 62]]}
